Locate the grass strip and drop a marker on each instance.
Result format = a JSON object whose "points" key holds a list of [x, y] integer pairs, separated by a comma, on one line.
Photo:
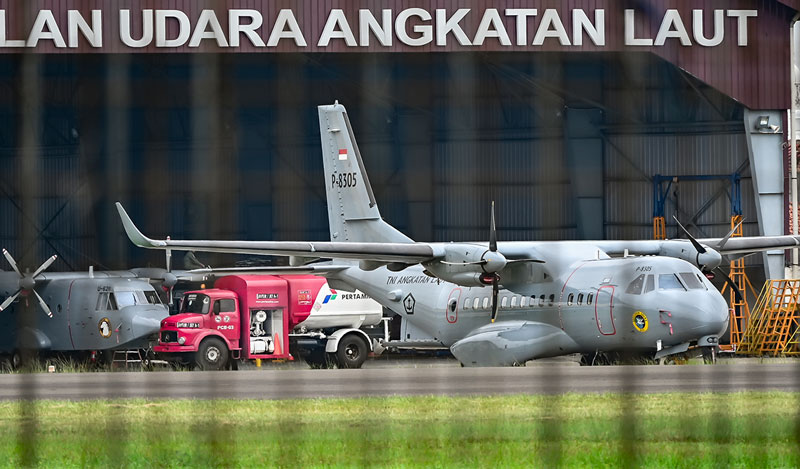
{"points": [[573, 430]]}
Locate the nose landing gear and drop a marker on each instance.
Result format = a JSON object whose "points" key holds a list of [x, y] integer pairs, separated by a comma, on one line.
{"points": [[709, 355]]}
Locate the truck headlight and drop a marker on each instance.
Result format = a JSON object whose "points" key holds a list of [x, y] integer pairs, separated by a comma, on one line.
{"points": [[181, 340]]}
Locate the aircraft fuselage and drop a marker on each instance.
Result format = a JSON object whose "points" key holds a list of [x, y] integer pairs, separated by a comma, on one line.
{"points": [[630, 304]]}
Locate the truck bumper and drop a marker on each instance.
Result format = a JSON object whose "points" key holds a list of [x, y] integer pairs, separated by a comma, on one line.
{"points": [[162, 348]]}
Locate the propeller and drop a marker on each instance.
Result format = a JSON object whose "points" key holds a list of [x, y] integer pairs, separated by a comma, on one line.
{"points": [[169, 278], [27, 283], [495, 277], [717, 269]]}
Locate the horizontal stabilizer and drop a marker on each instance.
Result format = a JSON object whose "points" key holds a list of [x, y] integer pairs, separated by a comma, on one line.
{"points": [[408, 253]]}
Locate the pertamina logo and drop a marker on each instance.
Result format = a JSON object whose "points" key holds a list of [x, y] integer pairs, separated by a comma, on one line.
{"points": [[343, 296]]}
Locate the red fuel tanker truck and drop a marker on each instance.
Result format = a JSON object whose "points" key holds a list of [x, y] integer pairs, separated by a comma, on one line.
{"points": [[246, 317]]}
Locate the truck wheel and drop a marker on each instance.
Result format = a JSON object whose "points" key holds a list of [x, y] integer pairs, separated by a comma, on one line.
{"points": [[212, 355], [352, 352]]}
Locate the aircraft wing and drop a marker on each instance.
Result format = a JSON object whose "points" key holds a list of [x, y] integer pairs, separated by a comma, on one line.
{"points": [[750, 244], [203, 274], [407, 253], [742, 245]]}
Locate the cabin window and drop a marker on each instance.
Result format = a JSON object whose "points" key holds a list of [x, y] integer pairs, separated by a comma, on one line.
{"points": [[550, 300], [691, 281], [476, 303], [227, 305], [651, 284], [589, 298], [570, 298], [523, 302], [504, 302], [541, 300], [514, 302], [485, 302], [635, 287], [580, 298], [467, 303], [669, 282]]}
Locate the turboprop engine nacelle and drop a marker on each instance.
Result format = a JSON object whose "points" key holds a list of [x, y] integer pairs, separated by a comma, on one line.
{"points": [[467, 265], [683, 249]]}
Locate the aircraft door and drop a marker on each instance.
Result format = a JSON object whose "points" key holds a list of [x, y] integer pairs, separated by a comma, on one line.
{"points": [[451, 309], [604, 310]]}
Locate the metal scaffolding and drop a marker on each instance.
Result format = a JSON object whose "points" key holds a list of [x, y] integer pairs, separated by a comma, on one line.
{"points": [[775, 322], [739, 307]]}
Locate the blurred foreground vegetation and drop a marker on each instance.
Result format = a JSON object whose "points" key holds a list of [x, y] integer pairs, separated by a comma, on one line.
{"points": [[573, 430]]}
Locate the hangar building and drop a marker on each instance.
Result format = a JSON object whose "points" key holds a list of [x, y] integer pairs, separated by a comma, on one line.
{"points": [[574, 117]]}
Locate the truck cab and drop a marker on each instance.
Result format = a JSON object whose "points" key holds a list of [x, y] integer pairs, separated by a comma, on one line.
{"points": [[249, 317]]}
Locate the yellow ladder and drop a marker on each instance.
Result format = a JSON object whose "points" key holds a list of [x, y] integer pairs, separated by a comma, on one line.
{"points": [[774, 324]]}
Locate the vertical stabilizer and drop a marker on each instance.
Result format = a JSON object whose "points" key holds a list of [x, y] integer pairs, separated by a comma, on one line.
{"points": [[353, 214]]}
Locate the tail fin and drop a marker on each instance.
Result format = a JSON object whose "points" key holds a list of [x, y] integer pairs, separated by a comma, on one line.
{"points": [[352, 211]]}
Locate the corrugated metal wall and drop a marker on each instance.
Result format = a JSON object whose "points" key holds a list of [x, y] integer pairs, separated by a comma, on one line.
{"points": [[442, 136]]}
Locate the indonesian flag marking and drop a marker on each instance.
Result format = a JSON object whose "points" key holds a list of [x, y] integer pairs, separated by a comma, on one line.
{"points": [[342, 154]]}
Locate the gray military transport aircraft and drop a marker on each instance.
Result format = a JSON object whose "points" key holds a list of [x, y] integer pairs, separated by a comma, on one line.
{"points": [[79, 311], [503, 303]]}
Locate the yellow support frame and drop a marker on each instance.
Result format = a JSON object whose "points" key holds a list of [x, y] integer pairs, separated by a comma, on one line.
{"points": [[659, 228], [739, 309], [774, 325]]}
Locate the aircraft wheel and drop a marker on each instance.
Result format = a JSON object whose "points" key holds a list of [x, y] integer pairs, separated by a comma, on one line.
{"points": [[212, 355], [16, 360], [352, 352], [709, 355]]}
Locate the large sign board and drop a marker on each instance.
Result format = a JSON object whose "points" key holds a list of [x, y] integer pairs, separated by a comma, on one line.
{"points": [[734, 35]]}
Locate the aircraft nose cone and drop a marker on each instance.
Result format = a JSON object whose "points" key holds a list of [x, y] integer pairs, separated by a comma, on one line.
{"points": [[144, 326], [715, 316]]}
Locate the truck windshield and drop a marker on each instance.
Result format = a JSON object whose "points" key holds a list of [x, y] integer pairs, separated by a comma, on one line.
{"points": [[196, 303]]}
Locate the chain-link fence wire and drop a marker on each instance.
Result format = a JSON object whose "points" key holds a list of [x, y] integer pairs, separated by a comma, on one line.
{"points": [[215, 108]]}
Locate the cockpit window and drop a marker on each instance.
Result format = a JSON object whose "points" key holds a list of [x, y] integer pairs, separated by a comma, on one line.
{"points": [[635, 287], [196, 303], [152, 297], [106, 302], [651, 284], [691, 281], [125, 298], [701, 281], [669, 282]]}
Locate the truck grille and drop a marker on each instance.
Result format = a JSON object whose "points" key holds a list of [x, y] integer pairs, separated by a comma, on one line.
{"points": [[169, 336]]}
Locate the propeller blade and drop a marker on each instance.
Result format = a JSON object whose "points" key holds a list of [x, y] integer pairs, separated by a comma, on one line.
{"points": [[480, 262], [724, 240], [44, 266], [696, 245], [9, 300], [493, 233], [538, 261], [495, 291], [12, 262], [43, 304], [730, 282], [168, 254]]}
